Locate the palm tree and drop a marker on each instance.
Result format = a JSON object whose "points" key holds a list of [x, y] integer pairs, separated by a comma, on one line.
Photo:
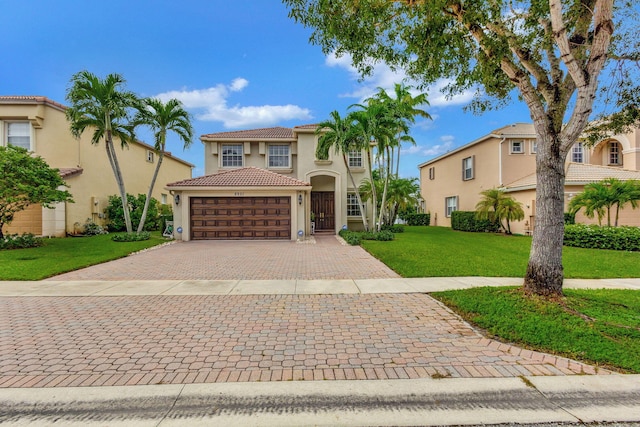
{"points": [[403, 193], [372, 130], [340, 134], [495, 205], [162, 118], [624, 192], [510, 210], [599, 197], [104, 106], [403, 107], [591, 201]]}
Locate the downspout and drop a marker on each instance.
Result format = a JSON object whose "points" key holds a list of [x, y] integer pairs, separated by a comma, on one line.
{"points": [[500, 161]]}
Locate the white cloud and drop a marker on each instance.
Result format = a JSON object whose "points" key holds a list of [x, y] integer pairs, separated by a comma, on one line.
{"points": [[445, 144], [213, 101], [386, 78]]}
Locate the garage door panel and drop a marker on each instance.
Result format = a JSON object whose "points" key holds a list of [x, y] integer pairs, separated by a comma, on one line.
{"points": [[240, 218]]}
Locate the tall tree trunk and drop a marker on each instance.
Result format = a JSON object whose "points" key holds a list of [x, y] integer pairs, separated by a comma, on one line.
{"points": [[143, 218], [544, 271], [374, 193], [115, 166], [353, 182], [384, 191]]}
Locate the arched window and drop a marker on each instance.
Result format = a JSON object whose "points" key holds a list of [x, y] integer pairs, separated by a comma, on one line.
{"points": [[615, 155]]}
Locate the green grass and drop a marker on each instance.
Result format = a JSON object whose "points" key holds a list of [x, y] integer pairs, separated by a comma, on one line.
{"points": [[600, 327], [442, 252], [58, 256]]}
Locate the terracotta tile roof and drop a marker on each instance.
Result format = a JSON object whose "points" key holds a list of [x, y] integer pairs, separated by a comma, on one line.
{"points": [[26, 99], [582, 173], [243, 177], [311, 126], [264, 133], [579, 174], [69, 172]]}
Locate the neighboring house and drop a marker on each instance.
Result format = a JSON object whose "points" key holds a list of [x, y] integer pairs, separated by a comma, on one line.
{"points": [[265, 184], [39, 125], [506, 158]]}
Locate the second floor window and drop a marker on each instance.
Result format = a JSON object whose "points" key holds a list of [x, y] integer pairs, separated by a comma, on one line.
{"points": [[577, 153], [614, 154], [18, 134], [279, 156], [432, 173], [355, 159], [517, 147], [467, 168], [232, 155]]}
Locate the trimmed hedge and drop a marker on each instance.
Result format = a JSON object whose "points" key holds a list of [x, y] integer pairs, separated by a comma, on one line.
{"points": [[467, 221], [596, 237], [355, 237], [131, 237], [418, 219]]}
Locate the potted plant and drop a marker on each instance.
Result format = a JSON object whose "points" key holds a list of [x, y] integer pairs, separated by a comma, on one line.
{"points": [[313, 222]]}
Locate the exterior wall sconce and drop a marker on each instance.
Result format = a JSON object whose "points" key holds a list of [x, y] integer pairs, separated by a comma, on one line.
{"points": [[176, 199], [300, 199]]}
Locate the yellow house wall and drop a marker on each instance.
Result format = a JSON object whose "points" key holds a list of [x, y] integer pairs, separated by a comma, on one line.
{"points": [[304, 167], [448, 180], [53, 141]]}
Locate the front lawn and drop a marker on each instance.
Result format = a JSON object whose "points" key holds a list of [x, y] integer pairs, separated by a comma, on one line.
{"points": [[600, 327], [61, 255], [442, 252]]}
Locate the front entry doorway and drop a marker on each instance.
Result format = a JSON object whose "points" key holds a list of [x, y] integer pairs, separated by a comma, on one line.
{"points": [[323, 207]]}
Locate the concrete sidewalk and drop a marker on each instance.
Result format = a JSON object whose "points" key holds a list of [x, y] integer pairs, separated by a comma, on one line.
{"points": [[279, 287]]}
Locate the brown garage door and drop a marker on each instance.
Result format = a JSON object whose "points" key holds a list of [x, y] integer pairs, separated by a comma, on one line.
{"points": [[240, 218]]}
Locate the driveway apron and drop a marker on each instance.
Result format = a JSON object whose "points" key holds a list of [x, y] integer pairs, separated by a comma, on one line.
{"points": [[241, 260]]}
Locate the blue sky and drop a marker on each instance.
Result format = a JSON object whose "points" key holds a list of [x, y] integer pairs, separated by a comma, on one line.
{"points": [[234, 64]]}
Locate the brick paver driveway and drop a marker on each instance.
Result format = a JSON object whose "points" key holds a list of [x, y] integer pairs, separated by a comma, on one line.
{"points": [[92, 341], [180, 339], [241, 260]]}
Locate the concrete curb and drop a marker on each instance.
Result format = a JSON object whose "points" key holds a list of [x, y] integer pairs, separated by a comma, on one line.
{"points": [[578, 399]]}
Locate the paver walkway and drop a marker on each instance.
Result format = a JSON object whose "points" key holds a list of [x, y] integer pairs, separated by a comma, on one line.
{"points": [[132, 340], [238, 260]]}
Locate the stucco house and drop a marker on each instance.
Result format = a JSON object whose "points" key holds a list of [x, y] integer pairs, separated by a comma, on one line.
{"points": [[39, 124], [506, 158], [265, 184]]}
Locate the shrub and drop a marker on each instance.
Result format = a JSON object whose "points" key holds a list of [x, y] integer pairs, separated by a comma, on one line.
{"points": [[355, 237], [26, 240], [384, 235], [90, 228], [418, 219], [351, 237], [115, 213], [395, 228], [467, 221], [131, 237], [596, 237], [569, 218]]}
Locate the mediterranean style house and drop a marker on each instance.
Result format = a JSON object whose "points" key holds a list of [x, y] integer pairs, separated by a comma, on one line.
{"points": [[39, 125], [267, 184], [505, 159]]}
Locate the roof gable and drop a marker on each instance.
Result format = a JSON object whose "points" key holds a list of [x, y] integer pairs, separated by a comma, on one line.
{"points": [[242, 177]]}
